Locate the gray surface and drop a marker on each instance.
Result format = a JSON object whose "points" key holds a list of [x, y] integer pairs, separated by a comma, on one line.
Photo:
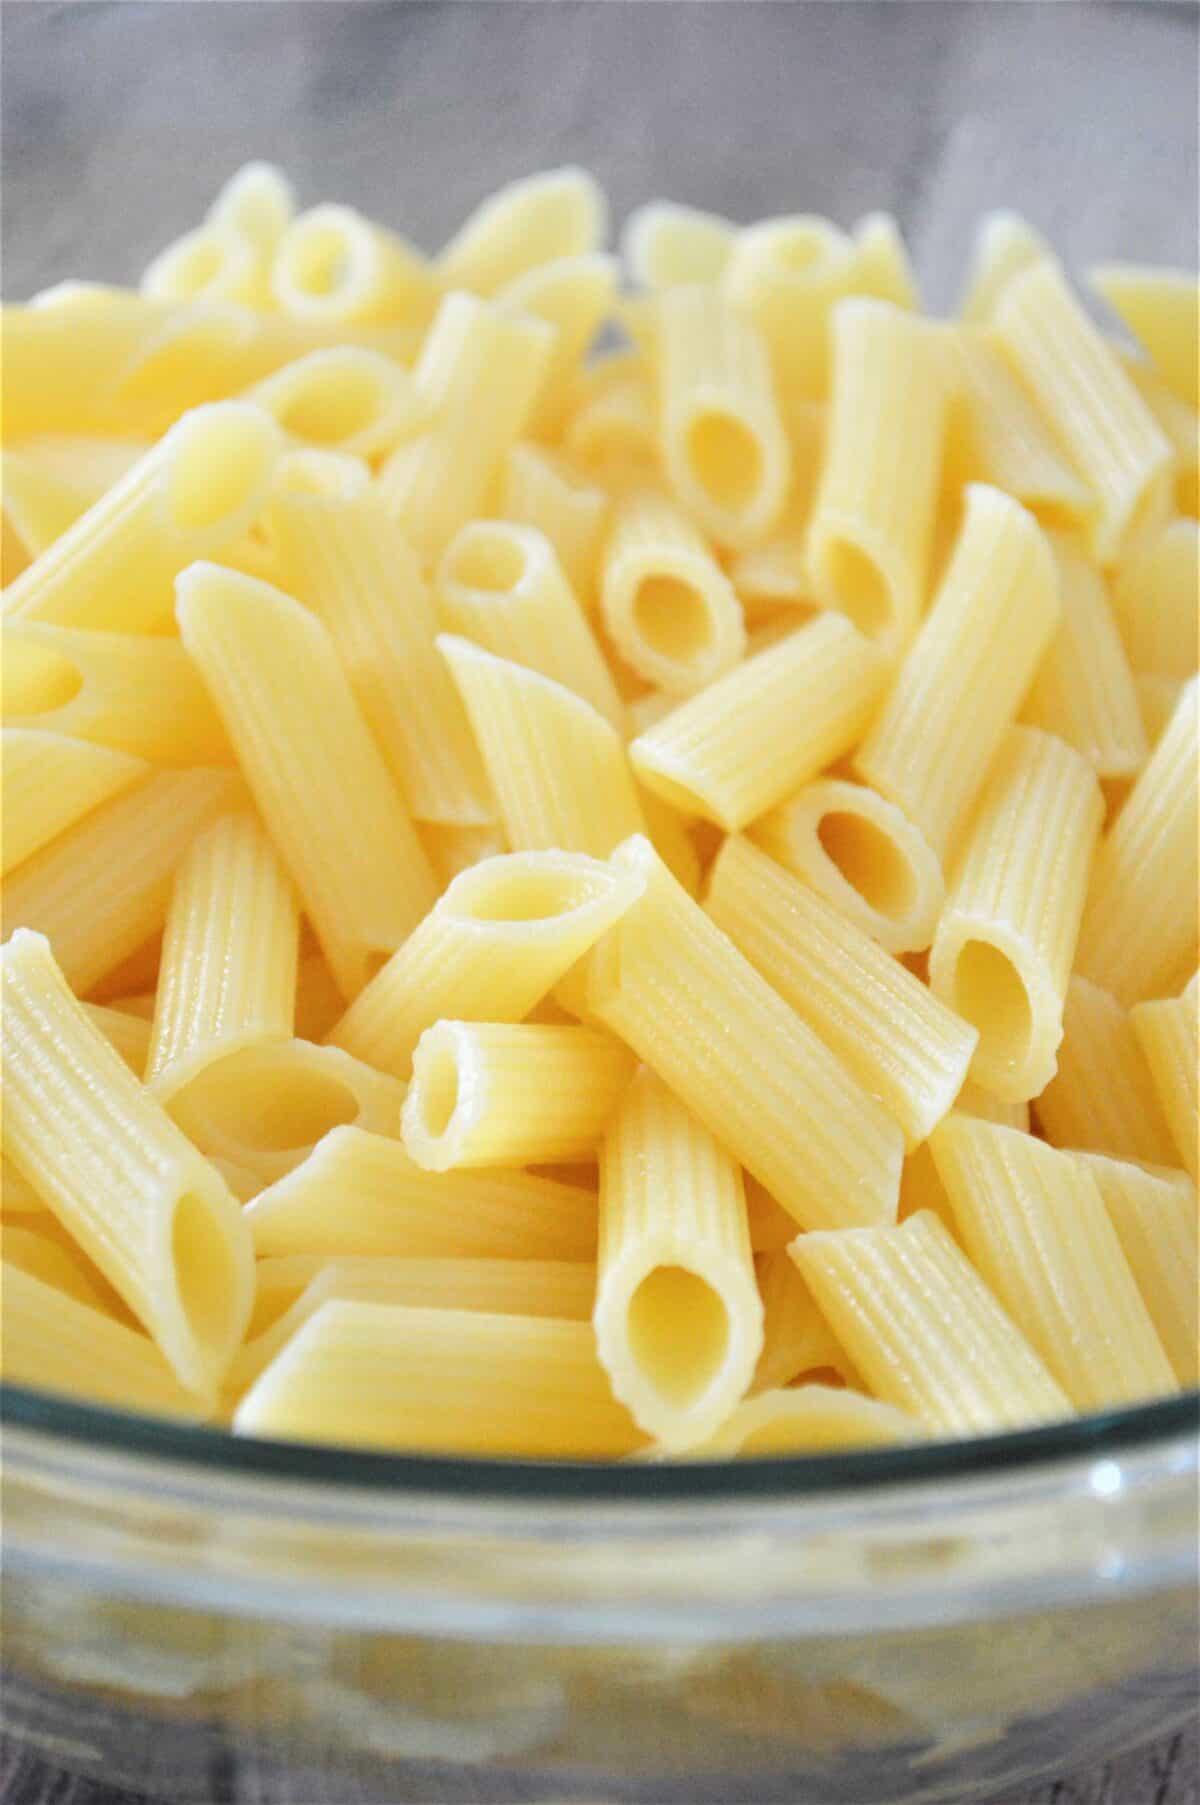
{"points": [[121, 120]]}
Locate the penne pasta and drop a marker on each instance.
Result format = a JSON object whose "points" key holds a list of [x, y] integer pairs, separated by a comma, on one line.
{"points": [[492, 947], [38, 504], [862, 854], [612, 436], [345, 560], [1166, 1032], [381, 1375], [665, 244], [771, 1228], [967, 671], [360, 1193], [1154, 601], [502, 586], [1161, 307], [796, 1337], [900, 1042], [537, 489], [505, 1094], [1108, 432], [58, 1264], [1102, 1096], [127, 1034], [451, 849], [679, 993], [724, 449], [335, 266], [924, 1330], [575, 295], [193, 492], [258, 203], [344, 398], [143, 697], [146, 1208], [1005, 244], [678, 1318], [667, 605], [749, 739], [786, 275], [49, 782], [1180, 423], [808, 1419], [1154, 1213], [882, 267], [213, 262], [1004, 946], [1035, 1227], [558, 769], [230, 947], [871, 531], [480, 371], [1139, 925], [318, 779], [527, 223], [101, 889]]}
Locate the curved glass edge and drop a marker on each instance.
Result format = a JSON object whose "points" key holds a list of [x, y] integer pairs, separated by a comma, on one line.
{"points": [[215, 1451]]}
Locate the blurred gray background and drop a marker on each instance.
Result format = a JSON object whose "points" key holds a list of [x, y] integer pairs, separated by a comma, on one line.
{"points": [[121, 120]]}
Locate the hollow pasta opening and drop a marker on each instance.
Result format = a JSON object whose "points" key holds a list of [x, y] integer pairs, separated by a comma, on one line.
{"points": [[726, 460], [37, 679], [206, 1273], [217, 465], [678, 1329], [197, 264], [439, 1091], [257, 1101], [989, 993], [529, 897], [493, 561], [320, 263], [861, 589], [332, 406], [672, 619], [869, 860]]}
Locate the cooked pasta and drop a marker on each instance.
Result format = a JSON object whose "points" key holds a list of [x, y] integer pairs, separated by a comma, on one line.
{"points": [[786, 275], [537, 489], [665, 244], [574, 295], [1154, 600], [1166, 1031], [345, 398], [1154, 1213], [807, 1419], [50, 781], [1102, 1096], [796, 1337], [559, 213], [1161, 307], [333, 265]]}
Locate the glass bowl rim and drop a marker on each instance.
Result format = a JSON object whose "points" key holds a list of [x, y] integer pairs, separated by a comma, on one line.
{"points": [[216, 1453]]}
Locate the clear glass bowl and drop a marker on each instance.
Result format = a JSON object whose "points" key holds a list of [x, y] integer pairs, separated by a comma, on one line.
{"points": [[933, 1624]]}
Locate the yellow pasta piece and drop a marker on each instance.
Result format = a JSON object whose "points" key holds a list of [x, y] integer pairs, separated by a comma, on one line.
{"points": [[1154, 1213], [151, 1214], [1004, 945], [966, 673], [667, 831], [881, 263], [343, 557], [481, 370], [129, 1034], [770, 1225], [1084, 690], [87, 464], [1180, 421], [536, 220], [381, 1375], [495, 943], [676, 989], [796, 1337], [137, 695], [262, 1108], [39, 505], [56, 1263], [996, 435], [665, 244], [1089, 401], [562, 1289], [1166, 1032], [557, 768], [537, 489], [101, 889], [230, 948], [611, 434], [258, 202], [744, 743], [1161, 307], [197, 489], [502, 586], [724, 448], [360, 1193], [871, 532], [58, 1344], [786, 275], [451, 848], [335, 266], [504, 1094], [319, 1002], [49, 782], [1139, 926], [808, 1419], [575, 295], [901, 1043], [678, 1317], [318, 779], [924, 1330], [213, 262], [1036, 1229], [863, 854], [18, 1199], [1005, 244], [345, 398], [671, 611], [1157, 697], [1155, 595], [1102, 1096]]}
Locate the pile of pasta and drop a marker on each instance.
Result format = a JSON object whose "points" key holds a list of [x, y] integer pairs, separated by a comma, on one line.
{"points": [[600, 853]]}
